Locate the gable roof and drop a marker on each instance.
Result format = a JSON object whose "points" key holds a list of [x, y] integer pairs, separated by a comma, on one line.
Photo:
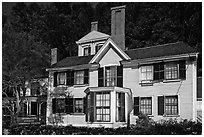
{"points": [[93, 35], [140, 53], [105, 48], [72, 61], [160, 50]]}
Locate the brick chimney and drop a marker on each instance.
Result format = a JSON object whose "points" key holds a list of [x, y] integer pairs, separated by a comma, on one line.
{"points": [[94, 26], [118, 26], [54, 56]]}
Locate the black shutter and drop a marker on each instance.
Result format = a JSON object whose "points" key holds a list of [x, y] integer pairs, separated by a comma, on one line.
{"points": [[182, 69], [86, 76], [161, 71], [92, 115], [85, 108], [136, 106], [72, 78], [100, 77], [156, 71], [54, 105], [122, 107], [120, 76], [160, 105], [89, 50], [55, 79], [68, 77], [69, 105]]}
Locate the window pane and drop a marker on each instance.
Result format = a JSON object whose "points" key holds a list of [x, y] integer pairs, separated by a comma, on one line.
{"points": [[146, 105], [171, 71], [79, 77], [171, 105], [147, 72], [61, 78], [102, 106]]}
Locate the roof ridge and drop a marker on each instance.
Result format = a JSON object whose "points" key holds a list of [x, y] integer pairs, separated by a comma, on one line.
{"points": [[157, 45]]}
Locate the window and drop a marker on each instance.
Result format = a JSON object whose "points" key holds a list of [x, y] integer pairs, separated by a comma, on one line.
{"points": [[120, 107], [98, 107], [146, 73], [68, 105], [34, 108], [61, 78], [146, 105], [171, 105], [111, 76], [79, 77], [168, 105], [71, 77], [143, 105], [103, 106], [98, 47], [58, 105], [78, 105], [171, 70], [35, 88], [87, 51]]}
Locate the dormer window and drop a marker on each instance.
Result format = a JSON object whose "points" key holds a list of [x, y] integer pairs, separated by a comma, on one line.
{"points": [[98, 47], [87, 51]]}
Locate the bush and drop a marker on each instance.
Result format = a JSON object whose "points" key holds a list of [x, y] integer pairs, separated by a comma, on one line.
{"points": [[144, 125]]}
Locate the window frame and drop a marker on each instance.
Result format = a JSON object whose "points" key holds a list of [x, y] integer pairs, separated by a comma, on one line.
{"points": [[112, 77], [171, 70], [88, 48], [171, 105], [58, 78], [80, 77], [146, 72], [98, 47], [92, 107], [31, 108], [137, 105], [78, 105], [145, 105]]}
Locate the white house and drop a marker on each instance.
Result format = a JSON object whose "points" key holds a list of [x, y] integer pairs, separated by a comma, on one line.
{"points": [[106, 85]]}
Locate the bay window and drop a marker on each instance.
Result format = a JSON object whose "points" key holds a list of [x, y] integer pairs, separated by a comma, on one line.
{"points": [[120, 107], [98, 106]]}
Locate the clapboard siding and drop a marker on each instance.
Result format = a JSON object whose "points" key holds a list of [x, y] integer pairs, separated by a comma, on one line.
{"points": [[183, 88]]}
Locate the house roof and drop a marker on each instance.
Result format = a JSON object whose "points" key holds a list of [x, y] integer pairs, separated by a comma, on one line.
{"points": [[93, 35], [72, 61], [140, 53], [160, 50]]}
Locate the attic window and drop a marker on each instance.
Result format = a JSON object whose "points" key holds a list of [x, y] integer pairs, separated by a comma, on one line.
{"points": [[98, 47], [87, 51]]}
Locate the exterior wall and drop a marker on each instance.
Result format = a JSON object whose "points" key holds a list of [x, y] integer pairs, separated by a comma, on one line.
{"points": [[110, 58], [92, 44], [185, 93]]}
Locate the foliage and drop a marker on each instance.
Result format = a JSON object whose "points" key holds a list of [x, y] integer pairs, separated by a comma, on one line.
{"points": [[154, 128]]}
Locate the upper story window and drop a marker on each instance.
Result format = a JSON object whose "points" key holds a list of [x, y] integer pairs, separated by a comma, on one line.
{"points": [[98, 47], [61, 78], [110, 76], [171, 71], [79, 77], [147, 73], [87, 51], [163, 71], [71, 77]]}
